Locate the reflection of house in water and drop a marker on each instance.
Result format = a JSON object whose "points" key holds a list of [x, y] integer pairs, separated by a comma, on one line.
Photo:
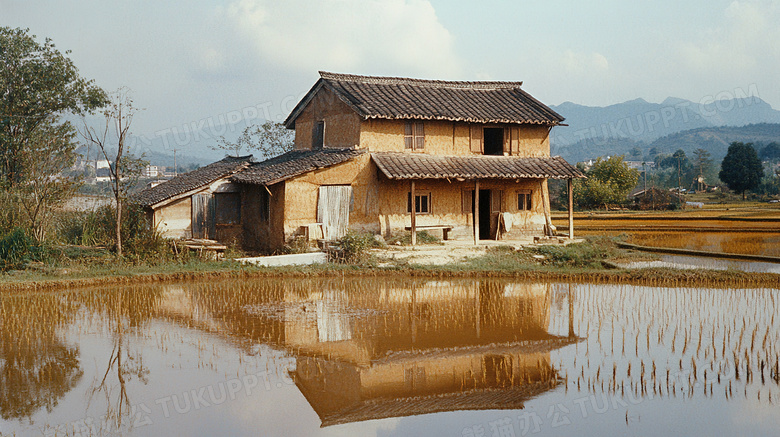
{"points": [[501, 377], [421, 349], [392, 348]]}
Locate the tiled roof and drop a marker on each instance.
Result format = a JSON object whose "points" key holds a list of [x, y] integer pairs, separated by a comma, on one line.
{"points": [[191, 180], [293, 163], [479, 399], [421, 166], [402, 98]]}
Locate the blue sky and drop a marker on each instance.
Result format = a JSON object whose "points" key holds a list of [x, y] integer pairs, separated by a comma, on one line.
{"points": [[188, 61]]}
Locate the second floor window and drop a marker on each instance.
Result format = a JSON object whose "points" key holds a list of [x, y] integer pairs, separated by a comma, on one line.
{"points": [[414, 135]]}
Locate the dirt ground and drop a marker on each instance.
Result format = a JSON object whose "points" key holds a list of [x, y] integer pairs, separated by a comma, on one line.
{"points": [[451, 251]]}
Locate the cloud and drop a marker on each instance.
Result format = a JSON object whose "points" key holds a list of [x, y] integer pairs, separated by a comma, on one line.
{"points": [[583, 63], [744, 44], [402, 37]]}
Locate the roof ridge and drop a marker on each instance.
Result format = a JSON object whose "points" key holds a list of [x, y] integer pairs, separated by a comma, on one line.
{"points": [[294, 163], [429, 83], [231, 158]]}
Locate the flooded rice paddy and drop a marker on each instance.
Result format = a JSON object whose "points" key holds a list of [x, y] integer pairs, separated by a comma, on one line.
{"points": [[390, 356], [686, 262], [746, 243]]}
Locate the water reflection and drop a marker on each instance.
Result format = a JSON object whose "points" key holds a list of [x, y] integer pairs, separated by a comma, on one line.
{"points": [[123, 313], [698, 262], [355, 350], [36, 367], [675, 342], [430, 347], [398, 348]]}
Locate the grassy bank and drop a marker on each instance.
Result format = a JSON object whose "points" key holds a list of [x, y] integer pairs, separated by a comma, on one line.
{"points": [[591, 261]]}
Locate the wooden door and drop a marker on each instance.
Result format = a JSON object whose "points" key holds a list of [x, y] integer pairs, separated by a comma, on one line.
{"points": [[333, 210], [203, 215]]}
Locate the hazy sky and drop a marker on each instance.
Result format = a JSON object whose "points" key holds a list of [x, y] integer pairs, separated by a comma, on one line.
{"points": [[196, 60]]}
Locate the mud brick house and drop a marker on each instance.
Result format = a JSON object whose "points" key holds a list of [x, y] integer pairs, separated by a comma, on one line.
{"points": [[200, 204], [385, 155]]}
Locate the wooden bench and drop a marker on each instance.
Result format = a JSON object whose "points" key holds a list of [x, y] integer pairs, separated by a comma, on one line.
{"points": [[445, 229], [214, 249]]}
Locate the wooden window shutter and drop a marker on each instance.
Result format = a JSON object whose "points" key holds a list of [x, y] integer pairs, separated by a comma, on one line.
{"points": [[419, 136], [496, 200], [507, 142], [468, 201], [318, 135], [514, 139], [476, 138], [409, 135]]}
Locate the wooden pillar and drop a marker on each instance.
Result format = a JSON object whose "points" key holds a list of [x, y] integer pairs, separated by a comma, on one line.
{"points": [[546, 207], [414, 216], [571, 309], [476, 212], [413, 315], [571, 209], [478, 315]]}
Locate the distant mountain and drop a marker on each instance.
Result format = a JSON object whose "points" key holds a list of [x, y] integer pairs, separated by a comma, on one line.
{"points": [[715, 140], [193, 141], [616, 129], [191, 145], [154, 157]]}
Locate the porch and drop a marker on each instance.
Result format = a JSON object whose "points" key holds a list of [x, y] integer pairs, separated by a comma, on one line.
{"points": [[486, 198]]}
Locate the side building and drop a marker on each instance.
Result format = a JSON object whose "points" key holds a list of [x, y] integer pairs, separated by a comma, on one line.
{"points": [[200, 204]]}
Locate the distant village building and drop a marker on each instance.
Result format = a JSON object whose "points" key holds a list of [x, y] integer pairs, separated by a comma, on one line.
{"points": [[98, 164], [637, 165], [153, 171], [103, 174], [383, 155], [656, 199]]}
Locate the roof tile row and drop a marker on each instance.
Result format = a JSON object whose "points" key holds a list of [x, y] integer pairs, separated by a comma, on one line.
{"points": [[392, 165], [403, 98], [420, 166], [191, 180], [293, 163]]}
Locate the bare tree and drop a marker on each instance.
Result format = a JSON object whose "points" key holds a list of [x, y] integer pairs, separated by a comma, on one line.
{"points": [[267, 140], [112, 138]]}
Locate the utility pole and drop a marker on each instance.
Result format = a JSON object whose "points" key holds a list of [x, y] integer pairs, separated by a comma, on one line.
{"points": [[175, 168], [679, 182]]}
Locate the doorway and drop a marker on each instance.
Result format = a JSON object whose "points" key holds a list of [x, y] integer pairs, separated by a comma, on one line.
{"points": [[485, 202]]}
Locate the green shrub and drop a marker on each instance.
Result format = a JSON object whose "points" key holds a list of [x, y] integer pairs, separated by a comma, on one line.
{"points": [[17, 249], [589, 253], [97, 228], [296, 244], [354, 246], [139, 240]]}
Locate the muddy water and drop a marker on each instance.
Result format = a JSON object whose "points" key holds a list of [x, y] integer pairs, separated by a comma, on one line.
{"points": [[699, 262], [749, 243], [390, 357]]}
